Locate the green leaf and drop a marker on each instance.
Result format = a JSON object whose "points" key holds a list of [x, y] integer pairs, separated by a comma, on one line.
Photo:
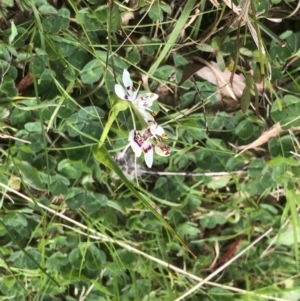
{"points": [[188, 230], [94, 201], [59, 185], [114, 18], [155, 13], [244, 130], [89, 20], [36, 142], [55, 261], [246, 95], [75, 198], [64, 18], [75, 151], [134, 57], [79, 58], [91, 113], [219, 183], [52, 24], [34, 127], [9, 89], [47, 9], [94, 258], [256, 167], [4, 56], [205, 48], [29, 263], [91, 72], [76, 258], [180, 60], [65, 46], [37, 65], [14, 32], [281, 147], [91, 132], [70, 169], [30, 175]]}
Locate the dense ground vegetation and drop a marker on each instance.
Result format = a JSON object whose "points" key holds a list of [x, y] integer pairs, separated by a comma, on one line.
{"points": [[217, 218]]}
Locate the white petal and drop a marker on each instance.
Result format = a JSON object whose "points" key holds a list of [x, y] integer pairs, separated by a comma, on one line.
{"points": [[127, 80], [135, 93], [147, 98], [121, 92], [158, 130], [147, 116], [129, 85], [131, 135], [162, 149], [136, 148], [149, 157]]}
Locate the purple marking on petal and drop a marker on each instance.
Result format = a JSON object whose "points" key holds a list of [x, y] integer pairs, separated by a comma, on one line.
{"points": [[147, 148], [147, 134], [126, 97], [138, 139], [166, 150]]}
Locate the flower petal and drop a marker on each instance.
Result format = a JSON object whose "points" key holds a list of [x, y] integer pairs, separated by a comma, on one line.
{"points": [[147, 99], [121, 92], [156, 129], [136, 142], [127, 81], [147, 116], [162, 149], [148, 156]]}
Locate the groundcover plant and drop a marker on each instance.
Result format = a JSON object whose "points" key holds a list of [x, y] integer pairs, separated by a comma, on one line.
{"points": [[149, 150]]}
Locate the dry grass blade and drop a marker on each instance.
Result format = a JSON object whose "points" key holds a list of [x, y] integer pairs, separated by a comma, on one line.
{"points": [[273, 132]]}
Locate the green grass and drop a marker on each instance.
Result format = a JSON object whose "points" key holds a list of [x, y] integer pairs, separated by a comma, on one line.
{"points": [[217, 219]]}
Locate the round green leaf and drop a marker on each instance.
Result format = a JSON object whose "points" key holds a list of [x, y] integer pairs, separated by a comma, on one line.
{"points": [[79, 58], [47, 9], [92, 72], [94, 201], [134, 57], [91, 113], [30, 175], [75, 151], [36, 142], [55, 261], [9, 89], [89, 20], [76, 258], [256, 167], [70, 169], [244, 130], [75, 198], [34, 259], [52, 24], [64, 19], [281, 147], [37, 65], [34, 127], [59, 185], [114, 18], [92, 132], [94, 258]]}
